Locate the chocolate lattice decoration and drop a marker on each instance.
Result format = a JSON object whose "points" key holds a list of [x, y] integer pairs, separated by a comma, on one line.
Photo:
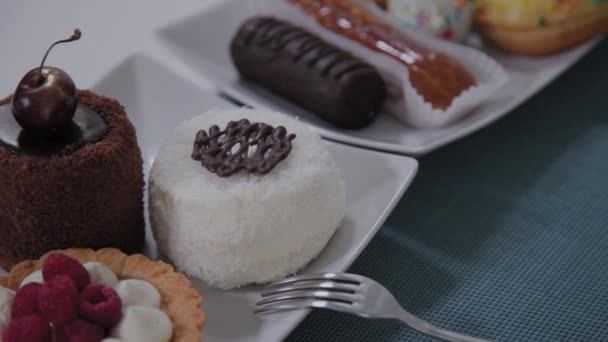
{"points": [[254, 147]]}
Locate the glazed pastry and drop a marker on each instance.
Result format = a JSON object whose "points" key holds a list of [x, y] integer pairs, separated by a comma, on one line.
{"points": [[244, 196], [160, 305], [540, 27], [435, 76], [310, 72], [71, 171]]}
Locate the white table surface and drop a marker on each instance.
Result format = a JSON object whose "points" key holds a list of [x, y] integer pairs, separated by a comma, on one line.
{"points": [[111, 31]]}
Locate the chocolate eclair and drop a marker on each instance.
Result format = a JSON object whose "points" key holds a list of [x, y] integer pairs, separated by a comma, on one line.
{"points": [[308, 71]]}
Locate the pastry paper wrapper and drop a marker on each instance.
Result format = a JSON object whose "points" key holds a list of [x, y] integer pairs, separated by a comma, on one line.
{"points": [[403, 100]]}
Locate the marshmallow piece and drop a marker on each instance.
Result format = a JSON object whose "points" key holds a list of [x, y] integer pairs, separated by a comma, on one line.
{"points": [[101, 274], [135, 292], [6, 301], [35, 277], [143, 324]]}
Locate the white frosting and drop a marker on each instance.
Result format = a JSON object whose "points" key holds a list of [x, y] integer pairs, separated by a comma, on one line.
{"points": [[135, 292], [35, 277], [143, 324], [244, 228], [101, 274], [6, 301]]}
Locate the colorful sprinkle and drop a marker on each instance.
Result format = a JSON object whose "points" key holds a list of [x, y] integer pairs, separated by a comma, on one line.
{"points": [[435, 17], [422, 19]]}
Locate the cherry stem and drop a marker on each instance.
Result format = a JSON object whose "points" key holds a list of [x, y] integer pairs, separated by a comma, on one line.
{"points": [[75, 36]]}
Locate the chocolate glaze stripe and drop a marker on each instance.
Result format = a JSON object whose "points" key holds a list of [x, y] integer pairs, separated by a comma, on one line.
{"points": [[327, 64], [342, 68], [273, 36], [290, 36], [309, 50], [254, 30], [315, 55], [350, 70]]}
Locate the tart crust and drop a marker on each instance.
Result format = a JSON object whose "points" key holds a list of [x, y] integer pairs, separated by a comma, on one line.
{"points": [[179, 300]]}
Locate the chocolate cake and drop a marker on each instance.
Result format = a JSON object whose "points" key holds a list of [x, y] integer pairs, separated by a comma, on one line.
{"points": [[86, 192], [308, 71]]}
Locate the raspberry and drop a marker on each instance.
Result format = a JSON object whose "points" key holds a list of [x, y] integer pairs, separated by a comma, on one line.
{"points": [[25, 302], [57, 300], [101, 305], [83, 331], [59, 334], [32, 328], [60, 264]]}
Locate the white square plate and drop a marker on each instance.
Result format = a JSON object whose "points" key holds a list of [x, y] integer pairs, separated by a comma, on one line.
{"points": [[157, 100], [203, 42]]}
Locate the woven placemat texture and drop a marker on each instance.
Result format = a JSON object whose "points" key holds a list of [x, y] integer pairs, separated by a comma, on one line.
{"points": [[504, 234]]}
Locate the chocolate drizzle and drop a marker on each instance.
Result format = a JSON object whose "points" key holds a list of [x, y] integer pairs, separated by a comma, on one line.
{"points": [[253, 147], [302, 47]]}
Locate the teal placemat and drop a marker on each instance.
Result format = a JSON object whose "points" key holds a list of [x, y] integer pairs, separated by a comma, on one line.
{"points": [[505, 233]]}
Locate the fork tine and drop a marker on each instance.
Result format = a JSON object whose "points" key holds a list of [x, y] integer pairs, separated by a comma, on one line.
{"points": [[309, 285], [279, 307], [321, 295], [272, 310], [338, 277]]}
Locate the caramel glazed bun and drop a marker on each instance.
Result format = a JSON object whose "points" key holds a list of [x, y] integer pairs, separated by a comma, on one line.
{"points": [[89, 197], [540, 27]]}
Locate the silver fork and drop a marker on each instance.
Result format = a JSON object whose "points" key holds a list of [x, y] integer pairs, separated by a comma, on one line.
{"points": [[348, 293]]}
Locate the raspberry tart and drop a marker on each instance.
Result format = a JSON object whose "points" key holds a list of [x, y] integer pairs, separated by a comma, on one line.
{"points": [[104, 295]]}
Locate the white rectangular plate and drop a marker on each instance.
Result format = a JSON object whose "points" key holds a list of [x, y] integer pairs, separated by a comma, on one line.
{"points": [[203, 42], [156, 100]]}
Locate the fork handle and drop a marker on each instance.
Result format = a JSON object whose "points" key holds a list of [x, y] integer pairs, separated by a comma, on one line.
{"points": [[434, 331]]}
